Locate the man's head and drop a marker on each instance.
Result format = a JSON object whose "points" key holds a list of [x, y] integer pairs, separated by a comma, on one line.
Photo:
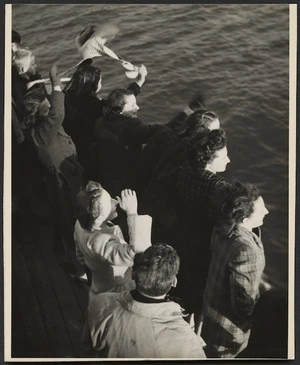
{"points": [[155, 270], [24, 62]]}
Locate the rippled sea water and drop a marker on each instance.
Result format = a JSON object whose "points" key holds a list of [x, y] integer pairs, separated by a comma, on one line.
{"points": [[237, 55]]}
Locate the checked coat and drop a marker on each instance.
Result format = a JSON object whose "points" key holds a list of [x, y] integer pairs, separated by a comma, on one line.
{"points": [[232, 291]]}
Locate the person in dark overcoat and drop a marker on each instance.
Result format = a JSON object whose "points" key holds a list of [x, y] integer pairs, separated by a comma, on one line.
{"points": [[57, 153], [200, 191]]}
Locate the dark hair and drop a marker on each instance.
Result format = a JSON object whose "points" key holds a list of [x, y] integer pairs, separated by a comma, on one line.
{"points": [[155, 269], [116, 101], [203, 150], [31, 102], [84, 81], [237, 206], [89, 205], [198, 122], [15, 37]]}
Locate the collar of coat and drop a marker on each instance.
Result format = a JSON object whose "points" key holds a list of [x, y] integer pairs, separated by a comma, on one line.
{"points": [[164, 310]]}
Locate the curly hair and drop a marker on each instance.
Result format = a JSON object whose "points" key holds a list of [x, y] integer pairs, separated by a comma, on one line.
{"points": [[198, 122], [84, 81], [155, 269], [239, 204], [32, 100], [89, 205], [203, 150], [115, 102]]}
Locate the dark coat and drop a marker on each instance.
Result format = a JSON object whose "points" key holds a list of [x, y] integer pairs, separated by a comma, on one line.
{"points": [[119, 143], [81, 112], [55, 147], [200, 196], [64, 174]]}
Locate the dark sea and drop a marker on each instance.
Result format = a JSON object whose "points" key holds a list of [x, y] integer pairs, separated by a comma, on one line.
{"points": [[236, 55]]}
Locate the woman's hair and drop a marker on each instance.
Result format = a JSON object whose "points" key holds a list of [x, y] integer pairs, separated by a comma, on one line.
{"points": [[15, 37], [116, 101], [84, 81], [89, 205], [32, 100], [154, 270], [238, 205], [204, 148], [198, 122]]}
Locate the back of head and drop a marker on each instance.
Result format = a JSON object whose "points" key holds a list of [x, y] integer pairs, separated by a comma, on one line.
{"points": [[15, 37], [21, 60], [115, 102], [199, 122], [85, 80], [155, 270], [203, 148], [88, 205], [32, 100], [237, 206]]}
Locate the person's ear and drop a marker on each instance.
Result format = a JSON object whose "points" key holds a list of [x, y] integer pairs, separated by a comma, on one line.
{"points": [[245, 220], [174, 284]]}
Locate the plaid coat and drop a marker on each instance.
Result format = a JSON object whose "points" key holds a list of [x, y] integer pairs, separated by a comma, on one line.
{"points": [[232, 291]]}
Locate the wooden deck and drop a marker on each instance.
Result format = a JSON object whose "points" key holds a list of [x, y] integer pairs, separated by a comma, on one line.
{"points": [[48, 307]]}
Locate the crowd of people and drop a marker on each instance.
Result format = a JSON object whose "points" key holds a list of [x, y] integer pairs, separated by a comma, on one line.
{"points": [[172, 251]]}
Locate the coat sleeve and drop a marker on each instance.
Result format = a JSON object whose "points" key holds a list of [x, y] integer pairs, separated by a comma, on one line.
{"points": [[112, 250], [178, 122], [138, 133], [139, 228], [48, 128], [135, 88], [244, 281]]}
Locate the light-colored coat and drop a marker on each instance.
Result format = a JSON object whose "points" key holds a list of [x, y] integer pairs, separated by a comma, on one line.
{"points": [[125, 328], [105, 252]]}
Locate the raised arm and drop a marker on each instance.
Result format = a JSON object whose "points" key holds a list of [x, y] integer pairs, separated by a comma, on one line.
{"points": [[48, 128], [139, 225], [117, 253], [136, 133], [135, 87]]}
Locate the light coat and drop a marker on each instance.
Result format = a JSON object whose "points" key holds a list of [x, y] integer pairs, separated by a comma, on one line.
{"points": [[105, 252], [125, 328]]}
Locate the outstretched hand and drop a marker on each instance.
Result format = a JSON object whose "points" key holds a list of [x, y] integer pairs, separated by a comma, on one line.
{"points": [[128, 201]]}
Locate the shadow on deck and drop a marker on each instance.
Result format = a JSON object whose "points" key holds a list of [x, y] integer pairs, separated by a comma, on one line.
{"points": [[48, 307]]}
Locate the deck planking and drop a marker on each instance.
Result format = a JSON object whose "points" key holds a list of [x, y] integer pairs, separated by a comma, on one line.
{"points": [[49, 308]]}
